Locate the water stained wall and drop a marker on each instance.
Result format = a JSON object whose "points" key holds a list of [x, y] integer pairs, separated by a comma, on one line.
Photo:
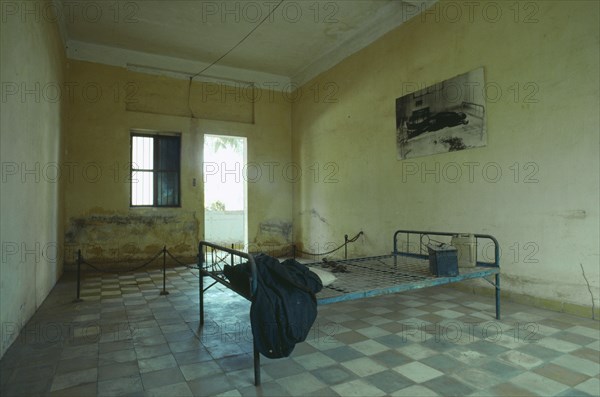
{"points": [[109, 239], [273, 236]]}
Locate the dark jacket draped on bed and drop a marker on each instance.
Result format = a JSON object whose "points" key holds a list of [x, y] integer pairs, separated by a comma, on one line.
{"points": [[284, 306]]}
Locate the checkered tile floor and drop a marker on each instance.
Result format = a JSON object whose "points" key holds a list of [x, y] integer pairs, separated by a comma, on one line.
{"points": [[125, 339]]}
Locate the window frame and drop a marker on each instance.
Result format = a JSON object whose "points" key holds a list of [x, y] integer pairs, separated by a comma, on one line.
{"points": [[156, 135]]}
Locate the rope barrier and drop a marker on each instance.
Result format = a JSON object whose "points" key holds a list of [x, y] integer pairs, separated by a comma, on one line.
{"points": [[346, 241], [164, 252], [123, 271], [182, 264]]}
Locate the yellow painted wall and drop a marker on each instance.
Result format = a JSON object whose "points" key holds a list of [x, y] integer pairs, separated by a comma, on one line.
{"points": [[542, 136], [108, 102], [31, 132]]}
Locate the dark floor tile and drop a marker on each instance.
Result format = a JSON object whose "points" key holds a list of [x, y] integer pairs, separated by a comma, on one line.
{"points": [[180, 336], [32, 374], [235, 363], [541, 352], [356, 324], [74, 378], [120, 386], [303, 348], [487, 347], [224, 350], [116, 357], [5, 375], [393, 327], [210, 386], [141, 335], [392, 341], [556, 323], [448, 386], [84, 351], [115, 346], [388, 381], [391, 358], [143, 352], [444, 363], [40, 387], [501, 370], [573, 338], [510, 390], [561, 374], [438, 344], [588, 354], [152, 340], [163, 377], [342, 353], [193, 356], [575, 393], [325, 392], [265, 389], [431, 318], [76, 364], [118, 370], [85, 390], [280, 369], [333, 375], [350, 337]]}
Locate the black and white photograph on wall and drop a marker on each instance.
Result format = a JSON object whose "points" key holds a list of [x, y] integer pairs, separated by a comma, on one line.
{"points": [[444, 117]]}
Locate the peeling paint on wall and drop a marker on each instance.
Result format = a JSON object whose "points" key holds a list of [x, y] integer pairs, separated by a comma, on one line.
{"points": [[127, 238], [313, 212], [573, 214], [276, 229], [273, 237]]}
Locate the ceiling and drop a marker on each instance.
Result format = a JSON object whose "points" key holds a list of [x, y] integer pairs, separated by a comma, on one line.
{"points": [[291, 41]]}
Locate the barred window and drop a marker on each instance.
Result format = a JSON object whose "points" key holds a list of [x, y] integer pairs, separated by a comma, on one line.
{"points": [[155, 170]]}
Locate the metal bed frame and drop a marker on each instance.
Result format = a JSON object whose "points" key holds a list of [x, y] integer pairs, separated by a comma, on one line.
{"points": [[406, 268]]}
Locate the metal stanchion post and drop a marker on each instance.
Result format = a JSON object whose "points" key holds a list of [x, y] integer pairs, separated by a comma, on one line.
{"points": [[78, 299], [164, 290], [345, 246], [201, 283]]}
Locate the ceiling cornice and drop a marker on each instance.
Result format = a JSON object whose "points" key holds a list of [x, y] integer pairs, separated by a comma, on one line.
{"points": [[173, 67]]}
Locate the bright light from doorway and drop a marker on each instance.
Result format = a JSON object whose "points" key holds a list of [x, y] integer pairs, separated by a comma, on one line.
{"points": [[223, 179]]}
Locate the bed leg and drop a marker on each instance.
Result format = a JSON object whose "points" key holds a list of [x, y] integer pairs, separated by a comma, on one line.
{"points": [[201, 295], [497, 296], [256, 367]]}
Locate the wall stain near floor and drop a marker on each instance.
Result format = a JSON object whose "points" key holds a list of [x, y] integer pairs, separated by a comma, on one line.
{"points": [[278, 227], [128, 238], [273, 236]]}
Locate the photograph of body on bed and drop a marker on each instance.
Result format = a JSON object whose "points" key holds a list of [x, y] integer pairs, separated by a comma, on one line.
{"points": [[445, 117]]}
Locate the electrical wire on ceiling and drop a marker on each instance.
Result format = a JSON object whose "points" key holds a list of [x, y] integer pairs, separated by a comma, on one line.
{"points": [[227, 53]]}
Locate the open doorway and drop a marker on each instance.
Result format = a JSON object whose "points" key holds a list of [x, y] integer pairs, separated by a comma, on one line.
{"points": [[225, 191]]}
